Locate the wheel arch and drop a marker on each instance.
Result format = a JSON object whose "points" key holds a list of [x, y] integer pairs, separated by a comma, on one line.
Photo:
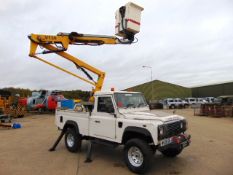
{"points": [[71, 124], [131, 132]]}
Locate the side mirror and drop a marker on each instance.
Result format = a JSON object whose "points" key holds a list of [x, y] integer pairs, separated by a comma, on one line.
{"points": [[112, 113]]}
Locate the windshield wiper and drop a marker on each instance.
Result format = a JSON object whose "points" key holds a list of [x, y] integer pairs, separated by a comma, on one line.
{"points": [[140, 104], [130, 105]]}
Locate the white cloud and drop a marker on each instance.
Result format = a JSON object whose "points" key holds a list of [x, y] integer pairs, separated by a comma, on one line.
{"points": [[186, 42]]}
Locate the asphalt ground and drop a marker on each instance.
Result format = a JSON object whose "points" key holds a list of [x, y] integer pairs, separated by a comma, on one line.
{"points": [[25, 151]]}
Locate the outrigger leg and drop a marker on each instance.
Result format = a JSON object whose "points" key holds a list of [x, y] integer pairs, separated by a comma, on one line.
{"points": [[57, 141], [89, 152]]}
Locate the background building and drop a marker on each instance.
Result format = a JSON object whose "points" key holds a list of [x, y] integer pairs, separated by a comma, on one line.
{"points": [[163, 90], [213, 90]]}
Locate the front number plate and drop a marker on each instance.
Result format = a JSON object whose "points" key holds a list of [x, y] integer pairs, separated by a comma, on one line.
{"points": [[165, 142], [185, 143]]}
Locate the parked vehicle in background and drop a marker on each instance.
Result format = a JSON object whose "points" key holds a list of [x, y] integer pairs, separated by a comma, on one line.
{"points": [[185, 104], [169, 102], [201, 101], [209, 99], [173, 103], [44, 100], [224, 100], [179, 103], [156, 104], [190, 100]]}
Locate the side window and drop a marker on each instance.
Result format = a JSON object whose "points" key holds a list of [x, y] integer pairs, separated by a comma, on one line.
{"points": [[105, 105]]}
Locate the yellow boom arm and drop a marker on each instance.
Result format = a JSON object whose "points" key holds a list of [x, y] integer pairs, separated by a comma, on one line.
{"points": [[59, 44]]}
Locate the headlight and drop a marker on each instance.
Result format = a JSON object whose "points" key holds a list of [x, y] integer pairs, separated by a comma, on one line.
{"points": [[161, 131], [182, 125]]}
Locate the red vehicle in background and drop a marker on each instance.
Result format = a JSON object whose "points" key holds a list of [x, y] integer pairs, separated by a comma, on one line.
{"points": [[44, 100]]}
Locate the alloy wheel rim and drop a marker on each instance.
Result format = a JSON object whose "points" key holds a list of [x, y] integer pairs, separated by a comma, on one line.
{"points": [[135, 156], [70, 140]]}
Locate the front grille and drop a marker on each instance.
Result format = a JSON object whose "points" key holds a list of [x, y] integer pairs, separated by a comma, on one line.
{"points": [[174, 128]]}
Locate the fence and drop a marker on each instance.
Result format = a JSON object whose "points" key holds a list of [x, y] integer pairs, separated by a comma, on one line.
{"points": [[214, 110]]}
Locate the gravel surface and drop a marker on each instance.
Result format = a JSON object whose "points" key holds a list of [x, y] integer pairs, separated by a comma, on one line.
{"points": [[25, 151]]}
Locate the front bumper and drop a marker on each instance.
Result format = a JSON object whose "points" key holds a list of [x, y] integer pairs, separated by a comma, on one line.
{"points": [[177, 142]]}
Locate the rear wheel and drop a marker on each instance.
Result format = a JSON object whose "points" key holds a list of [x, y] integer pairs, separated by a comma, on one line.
{"points": [[73, 140], [171, 152], [137, 155]]}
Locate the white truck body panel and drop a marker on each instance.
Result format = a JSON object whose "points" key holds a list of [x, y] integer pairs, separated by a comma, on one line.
{"points": [[82, 118], [104, 125]]}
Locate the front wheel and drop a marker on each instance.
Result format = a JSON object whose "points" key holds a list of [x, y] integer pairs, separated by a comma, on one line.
{"points": [[73, 140], [171, 152], [137, 155]]}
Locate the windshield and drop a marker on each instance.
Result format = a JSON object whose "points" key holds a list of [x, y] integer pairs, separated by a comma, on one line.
{"points": [[126, 100]]}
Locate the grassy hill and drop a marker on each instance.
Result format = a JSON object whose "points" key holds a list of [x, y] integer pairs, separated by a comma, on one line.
{"points": [[162, 90]]}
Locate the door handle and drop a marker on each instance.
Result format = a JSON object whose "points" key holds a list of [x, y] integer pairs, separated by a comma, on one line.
{"points": [[97, 121]]}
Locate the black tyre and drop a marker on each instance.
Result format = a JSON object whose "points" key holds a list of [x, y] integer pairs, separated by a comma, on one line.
{"points": [[41, 110], [73, 140], [172, 107], [137, 155], [172, 152]]}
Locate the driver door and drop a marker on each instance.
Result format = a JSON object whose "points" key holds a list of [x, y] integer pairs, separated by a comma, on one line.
{"points": [[103, 120]]}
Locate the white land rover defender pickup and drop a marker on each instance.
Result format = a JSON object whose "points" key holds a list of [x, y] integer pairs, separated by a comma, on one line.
{"points": [[124, 118]]}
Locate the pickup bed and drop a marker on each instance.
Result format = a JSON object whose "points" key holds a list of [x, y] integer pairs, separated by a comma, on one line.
{"points": [[124, 118]]}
